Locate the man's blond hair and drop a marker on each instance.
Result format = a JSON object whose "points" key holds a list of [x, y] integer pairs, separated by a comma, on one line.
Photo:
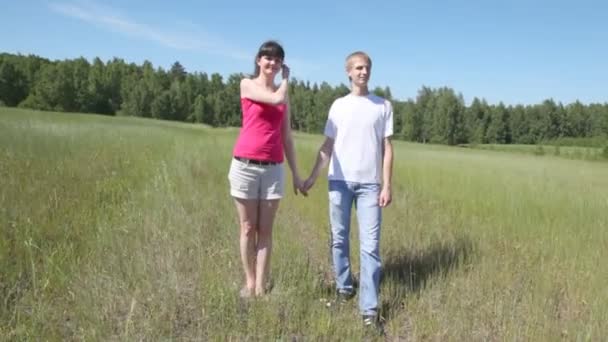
{"points": [[357, 54]]}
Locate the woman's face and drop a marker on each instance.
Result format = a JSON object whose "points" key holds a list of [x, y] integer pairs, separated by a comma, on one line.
{"points": [[270, 65]]}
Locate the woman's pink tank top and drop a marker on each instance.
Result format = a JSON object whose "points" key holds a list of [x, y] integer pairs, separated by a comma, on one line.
{"points": [[260, 137]]}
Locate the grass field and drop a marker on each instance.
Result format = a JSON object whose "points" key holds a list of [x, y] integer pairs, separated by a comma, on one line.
{"points": [[569, 152], [115, 228]]}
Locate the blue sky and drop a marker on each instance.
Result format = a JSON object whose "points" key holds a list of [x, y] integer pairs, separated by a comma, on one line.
{"points": [[510, 51]]}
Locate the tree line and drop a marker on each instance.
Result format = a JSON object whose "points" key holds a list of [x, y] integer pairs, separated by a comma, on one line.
{"points": [[435, 115]]}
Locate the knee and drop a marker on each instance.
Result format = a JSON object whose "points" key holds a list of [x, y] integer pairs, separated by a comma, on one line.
{"points": [[371, 248], [265, 232], [248, 229], [339, 240], [339, 234]]}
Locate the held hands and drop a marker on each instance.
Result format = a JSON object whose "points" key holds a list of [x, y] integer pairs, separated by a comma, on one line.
{"points": [[385, 197], [303, 186], [298, 185], [384, 200], [308, 183]]}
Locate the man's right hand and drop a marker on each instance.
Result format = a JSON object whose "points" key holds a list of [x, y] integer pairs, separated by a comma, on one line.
{"points": [[308, 183]]}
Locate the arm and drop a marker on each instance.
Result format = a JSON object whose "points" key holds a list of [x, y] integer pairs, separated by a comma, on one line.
{"points": [[387, 172], [290, 152], [323, 157], [255, 92]]}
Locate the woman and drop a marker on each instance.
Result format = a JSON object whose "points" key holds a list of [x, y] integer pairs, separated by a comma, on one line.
{"points": [[256, 172]]}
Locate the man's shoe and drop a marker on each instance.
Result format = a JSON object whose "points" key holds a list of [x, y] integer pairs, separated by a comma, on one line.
{"points": [[344, 296], [372, 324]]}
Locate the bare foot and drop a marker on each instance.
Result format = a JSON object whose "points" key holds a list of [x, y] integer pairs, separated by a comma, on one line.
{"points": [[246, 293], [262, 295]]}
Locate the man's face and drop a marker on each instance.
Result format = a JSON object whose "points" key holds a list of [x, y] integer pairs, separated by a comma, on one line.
{"points": [[359, 70]]}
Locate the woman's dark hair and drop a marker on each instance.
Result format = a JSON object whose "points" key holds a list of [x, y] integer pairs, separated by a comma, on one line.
{"points": [[270, 49]]}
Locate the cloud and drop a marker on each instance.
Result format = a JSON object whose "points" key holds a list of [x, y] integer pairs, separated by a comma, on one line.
{"points": [[110, 20], [184, 36]]}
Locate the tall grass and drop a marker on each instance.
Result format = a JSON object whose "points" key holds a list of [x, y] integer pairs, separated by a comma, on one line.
{"points": [[123, 229], [557, 150], [597, 141]]}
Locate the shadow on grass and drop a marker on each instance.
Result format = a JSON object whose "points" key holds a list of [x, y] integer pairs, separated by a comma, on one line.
{"points": [[411, 270], [407, 270]]}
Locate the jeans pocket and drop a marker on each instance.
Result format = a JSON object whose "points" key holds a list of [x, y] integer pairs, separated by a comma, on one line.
{"points": [[335, 197]]}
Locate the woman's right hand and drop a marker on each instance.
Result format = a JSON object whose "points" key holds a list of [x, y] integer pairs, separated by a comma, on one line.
{"points": [[285, 72]]}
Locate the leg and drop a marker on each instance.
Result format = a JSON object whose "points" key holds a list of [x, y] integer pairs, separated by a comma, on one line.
{"points": [[340, 204], [267, 213], [244, 188], [248, 218], [271, 190], [369, 219]]}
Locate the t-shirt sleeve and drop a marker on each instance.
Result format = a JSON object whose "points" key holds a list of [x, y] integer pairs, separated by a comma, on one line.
{"points": [[388, 119], [330, 125]]}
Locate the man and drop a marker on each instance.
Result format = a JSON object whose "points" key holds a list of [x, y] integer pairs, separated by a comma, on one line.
{"points": [[360, 155]]}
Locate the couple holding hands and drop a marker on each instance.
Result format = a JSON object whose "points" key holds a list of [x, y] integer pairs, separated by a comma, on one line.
{"points": [[359, 153]]}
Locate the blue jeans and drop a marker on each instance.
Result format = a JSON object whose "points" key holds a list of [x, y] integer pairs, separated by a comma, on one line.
{"points": [[342, 195]]}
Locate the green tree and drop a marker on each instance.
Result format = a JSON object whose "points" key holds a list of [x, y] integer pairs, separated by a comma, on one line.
{"points": [[97, 89], [477, 119], [520, 126], [215, 104], [177, 72], [499, 131], [180, 106], [54, 89], [599, 116], [232, 100], [578, 120], [79, 70], [116, 73], [140, 89], [551, 119], [407, 112], [449, 118], [162, 106], [12, 84], [422, 120], [201, 111]]}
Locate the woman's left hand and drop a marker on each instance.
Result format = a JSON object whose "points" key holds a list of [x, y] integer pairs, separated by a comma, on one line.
{"points": [[298, 185]]}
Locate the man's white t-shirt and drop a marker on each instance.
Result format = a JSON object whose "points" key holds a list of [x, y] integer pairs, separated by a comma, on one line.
{"points": [[358, 126]]}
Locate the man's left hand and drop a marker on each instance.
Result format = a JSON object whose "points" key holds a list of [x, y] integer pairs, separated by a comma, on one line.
{"points": [[385, 198]]}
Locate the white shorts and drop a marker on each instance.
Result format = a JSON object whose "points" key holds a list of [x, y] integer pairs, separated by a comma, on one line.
{"points": [[252, 181]]}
